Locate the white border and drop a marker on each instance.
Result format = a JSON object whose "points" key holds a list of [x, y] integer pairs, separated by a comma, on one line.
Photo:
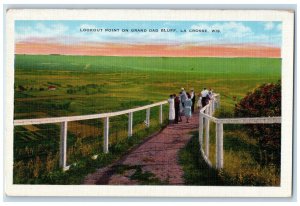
{"points": [[287, 18]]}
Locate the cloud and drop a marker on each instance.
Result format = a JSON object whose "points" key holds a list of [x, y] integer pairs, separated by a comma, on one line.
{"points": [[269, 26], [267, 40], [128, 37], [54, 29], [231, 33], [87, 26], [279, 27], [228, 29], [40, 30]]}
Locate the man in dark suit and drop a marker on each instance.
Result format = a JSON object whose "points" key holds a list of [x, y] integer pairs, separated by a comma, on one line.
{"points": [[177, 108], [193, 98]]}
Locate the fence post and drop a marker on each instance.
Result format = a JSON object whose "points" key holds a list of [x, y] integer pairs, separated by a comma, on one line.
{"points": [[63, 144], [106, 134], [148, 117], [207, 133], [200, 129], [219, 146], [130, 119], [160, 114]]}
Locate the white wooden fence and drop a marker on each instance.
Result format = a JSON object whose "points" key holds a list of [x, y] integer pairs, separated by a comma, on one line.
{"points": [[64, 125], [206, 116]]}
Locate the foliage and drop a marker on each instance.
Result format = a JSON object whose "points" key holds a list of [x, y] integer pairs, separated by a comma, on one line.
{"points": [[85, 89], [264, 101], [240, 168]]}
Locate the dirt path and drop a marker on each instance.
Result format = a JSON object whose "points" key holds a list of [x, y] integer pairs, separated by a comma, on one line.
{"points": [[153, 162]]}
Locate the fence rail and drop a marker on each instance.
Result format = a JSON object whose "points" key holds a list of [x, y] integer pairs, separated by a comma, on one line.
{"points": [[64, 125], [21, 122], [206, 115]]}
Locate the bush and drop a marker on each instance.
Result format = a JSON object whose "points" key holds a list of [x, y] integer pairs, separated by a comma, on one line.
{"points": [[264, 101], [22, 88]]}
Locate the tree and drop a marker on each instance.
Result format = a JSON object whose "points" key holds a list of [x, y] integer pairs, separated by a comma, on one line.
{"points": [[264, 101]]}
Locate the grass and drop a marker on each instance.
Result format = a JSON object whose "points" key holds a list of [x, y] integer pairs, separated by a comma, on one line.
{"points": [[117, 83], [196, 171], [36, 171], [111, 84], [240, 168], [241, 162]]}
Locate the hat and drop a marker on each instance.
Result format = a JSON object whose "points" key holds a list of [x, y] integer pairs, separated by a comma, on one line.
{"points": [[182, 88]]}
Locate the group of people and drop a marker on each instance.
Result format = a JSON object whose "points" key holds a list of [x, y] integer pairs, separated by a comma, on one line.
{"points": [[184, 104]]}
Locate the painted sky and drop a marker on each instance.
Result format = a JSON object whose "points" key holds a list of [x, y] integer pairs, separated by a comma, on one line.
{"points": [[135, 38]]}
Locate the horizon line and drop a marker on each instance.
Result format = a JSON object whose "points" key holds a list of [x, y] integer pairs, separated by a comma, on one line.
{"points": [[229, 57]]}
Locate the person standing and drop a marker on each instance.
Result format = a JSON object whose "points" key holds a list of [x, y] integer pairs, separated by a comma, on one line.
{"points": [[199, 104], [181, 112], [177, 108], [183, 96], [210, 93], [171, 109], [187, 108], [193, 98], [204, 97]]}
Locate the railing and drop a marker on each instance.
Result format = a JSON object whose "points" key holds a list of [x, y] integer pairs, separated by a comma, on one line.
{"points": [[206, 115], [64, 125]]}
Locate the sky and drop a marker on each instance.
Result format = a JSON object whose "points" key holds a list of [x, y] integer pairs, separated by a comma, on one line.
{"points": [[149, 38]]}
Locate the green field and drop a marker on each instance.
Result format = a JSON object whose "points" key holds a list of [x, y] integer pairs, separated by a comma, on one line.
{"points": [[90, 84], [87, 85]]}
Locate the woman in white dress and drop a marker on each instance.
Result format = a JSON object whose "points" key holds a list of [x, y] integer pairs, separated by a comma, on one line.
{"points": [[171, 109], [188, 108]]}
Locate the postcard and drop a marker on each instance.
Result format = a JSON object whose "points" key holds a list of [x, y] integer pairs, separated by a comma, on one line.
{"points": [[151, 103]]}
